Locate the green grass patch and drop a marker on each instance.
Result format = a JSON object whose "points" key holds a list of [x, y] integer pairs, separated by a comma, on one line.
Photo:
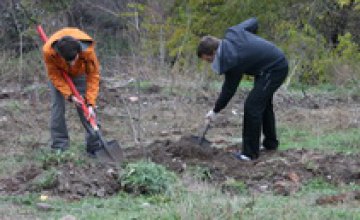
{"points": [[48, 157], [332, 90], [14, 106], [25, 200], [143, 85], [244, 84], [303, 207], [196, 201], [317, 184], [247, 84], [346, 141]]}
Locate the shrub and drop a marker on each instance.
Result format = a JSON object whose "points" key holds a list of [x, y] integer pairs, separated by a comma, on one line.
{"points": [[146, 178]]}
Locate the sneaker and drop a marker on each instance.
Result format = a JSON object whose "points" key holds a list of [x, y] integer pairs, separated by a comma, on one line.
{"points": [[242, 157]]}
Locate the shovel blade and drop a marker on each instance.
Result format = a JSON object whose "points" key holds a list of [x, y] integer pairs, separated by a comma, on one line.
{"points": [[200, 141], [110, 153]]}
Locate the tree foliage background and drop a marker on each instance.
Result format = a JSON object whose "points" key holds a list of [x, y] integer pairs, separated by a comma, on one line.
{"points": [[321, 38]]}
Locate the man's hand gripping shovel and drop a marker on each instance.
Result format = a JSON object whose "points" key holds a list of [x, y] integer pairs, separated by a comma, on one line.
{"points": [[109, 152]]}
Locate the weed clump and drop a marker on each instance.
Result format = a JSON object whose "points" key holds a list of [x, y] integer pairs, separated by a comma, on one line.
{"points": [[146, 178], [52, 158], [46, 180]]}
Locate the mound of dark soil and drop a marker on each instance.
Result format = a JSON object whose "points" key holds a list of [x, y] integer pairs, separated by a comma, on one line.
{"points": [[88, 180], [283, 172], [69, 181]]}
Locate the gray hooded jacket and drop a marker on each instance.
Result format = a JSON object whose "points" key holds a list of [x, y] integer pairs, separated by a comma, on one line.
{"points": [[244, 52]]}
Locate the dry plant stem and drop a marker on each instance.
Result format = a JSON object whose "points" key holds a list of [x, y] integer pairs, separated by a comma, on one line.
{"points": [[292, 73], [137, 42], [138, 139], [16, 22], [36, 76], [131, 120]]}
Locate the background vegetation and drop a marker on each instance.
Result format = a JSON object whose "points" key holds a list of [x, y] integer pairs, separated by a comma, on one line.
{"points": [[320, 37]]}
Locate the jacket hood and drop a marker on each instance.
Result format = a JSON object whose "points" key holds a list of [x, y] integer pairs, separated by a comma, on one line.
{"points": [[85, 40]]}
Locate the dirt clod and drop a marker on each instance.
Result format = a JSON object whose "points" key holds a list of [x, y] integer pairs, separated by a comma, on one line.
{"points": [[333, 199]]}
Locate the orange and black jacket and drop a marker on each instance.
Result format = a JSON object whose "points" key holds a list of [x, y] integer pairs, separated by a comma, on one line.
{"points": [[87, 63]]}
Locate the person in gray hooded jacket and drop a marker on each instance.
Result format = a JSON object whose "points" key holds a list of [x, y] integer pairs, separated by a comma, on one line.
{"points": [[241, 52]]}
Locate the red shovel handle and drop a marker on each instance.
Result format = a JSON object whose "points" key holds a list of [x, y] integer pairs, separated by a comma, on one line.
{"points": [[92, 119]]}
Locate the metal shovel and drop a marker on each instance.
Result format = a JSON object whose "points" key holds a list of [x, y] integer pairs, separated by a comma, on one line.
{"points": [[201, 140], [108, 151]]}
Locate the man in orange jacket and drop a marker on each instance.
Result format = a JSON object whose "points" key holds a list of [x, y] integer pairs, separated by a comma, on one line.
{"points": [[72, 51]]}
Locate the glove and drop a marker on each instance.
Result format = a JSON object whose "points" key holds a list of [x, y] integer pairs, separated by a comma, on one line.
{"points": [[91, 112], [211, 116], [75, 100]]}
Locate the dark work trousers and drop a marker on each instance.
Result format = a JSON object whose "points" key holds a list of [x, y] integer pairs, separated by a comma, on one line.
{"points": [[58, 128], [258, 112]]}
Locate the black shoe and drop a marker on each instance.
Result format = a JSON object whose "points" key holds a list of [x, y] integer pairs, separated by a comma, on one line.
{"points": [[91, 150]]}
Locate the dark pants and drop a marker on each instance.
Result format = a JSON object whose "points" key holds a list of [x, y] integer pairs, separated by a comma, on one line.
{"points": [[58, 128], [258, 112]]}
